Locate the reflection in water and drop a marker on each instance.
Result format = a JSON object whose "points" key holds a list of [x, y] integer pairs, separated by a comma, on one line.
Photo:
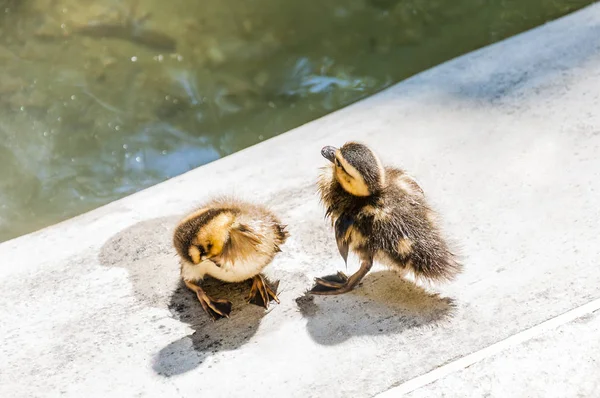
{"points": [[99, 99]]}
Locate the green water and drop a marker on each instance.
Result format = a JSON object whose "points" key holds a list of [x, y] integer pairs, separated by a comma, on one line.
{"points": [[102, 98]]}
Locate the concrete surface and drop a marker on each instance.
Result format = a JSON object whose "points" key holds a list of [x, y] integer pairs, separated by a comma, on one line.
{"points": [[562, 363], [504, 141]]}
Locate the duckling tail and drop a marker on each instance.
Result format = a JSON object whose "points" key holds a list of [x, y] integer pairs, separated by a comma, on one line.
{"points": [[282, 233], [436, 264]]}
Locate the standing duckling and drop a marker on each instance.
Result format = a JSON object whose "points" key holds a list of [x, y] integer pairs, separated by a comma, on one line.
{"points": [[380, 213], [232, 241]]}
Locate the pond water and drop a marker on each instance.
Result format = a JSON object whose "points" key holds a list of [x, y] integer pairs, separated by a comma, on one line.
{"points": [[102, 98]]}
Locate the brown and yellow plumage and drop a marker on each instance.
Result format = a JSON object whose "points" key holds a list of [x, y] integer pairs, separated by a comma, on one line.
{"points": [[381, 214], [232, 241]]}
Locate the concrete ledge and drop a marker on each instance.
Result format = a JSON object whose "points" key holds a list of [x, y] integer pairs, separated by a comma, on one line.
{"points": [[505, 143], [563, 363]]}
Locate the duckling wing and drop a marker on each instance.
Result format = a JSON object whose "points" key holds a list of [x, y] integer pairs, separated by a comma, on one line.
{"points": [[404, 181], [342, 226], [242, 243], [412, 182]]}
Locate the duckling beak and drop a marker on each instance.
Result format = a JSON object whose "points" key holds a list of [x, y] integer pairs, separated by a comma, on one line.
{"points": [[328, 153]]}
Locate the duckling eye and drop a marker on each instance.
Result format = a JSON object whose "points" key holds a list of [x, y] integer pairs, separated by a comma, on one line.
{"points": [[209, 247]]}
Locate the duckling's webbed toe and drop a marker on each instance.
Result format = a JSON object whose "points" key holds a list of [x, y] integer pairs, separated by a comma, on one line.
{"points": [[340, 283], [330, 284], [261, 293], [217, 309], [332, 281]]}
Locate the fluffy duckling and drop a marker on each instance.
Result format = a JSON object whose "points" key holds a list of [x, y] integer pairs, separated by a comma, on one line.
{"points": [[381, 214], [232, 241]]}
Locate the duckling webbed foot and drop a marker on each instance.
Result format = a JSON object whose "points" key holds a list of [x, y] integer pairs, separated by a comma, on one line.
{"points": [[216, 308], [340, 283], [331, 281], [261, 293], [333, 284]]}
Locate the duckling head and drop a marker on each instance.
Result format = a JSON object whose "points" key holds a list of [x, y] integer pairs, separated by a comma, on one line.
{"points": [[203, 236], [356, 168]]}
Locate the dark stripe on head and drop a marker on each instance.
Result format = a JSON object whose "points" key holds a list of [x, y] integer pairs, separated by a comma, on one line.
{"points": [[187, 230], [364, 161]]}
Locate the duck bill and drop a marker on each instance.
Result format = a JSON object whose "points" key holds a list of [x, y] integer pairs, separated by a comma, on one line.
{"points": [[328, 153]]}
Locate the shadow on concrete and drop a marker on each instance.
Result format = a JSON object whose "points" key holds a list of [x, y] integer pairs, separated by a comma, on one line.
{"points": [[209, 337], [146, 252], [383, 304]]}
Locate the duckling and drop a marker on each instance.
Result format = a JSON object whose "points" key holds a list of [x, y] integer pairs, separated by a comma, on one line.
{"points": [[381, 214], [232, 241]]}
